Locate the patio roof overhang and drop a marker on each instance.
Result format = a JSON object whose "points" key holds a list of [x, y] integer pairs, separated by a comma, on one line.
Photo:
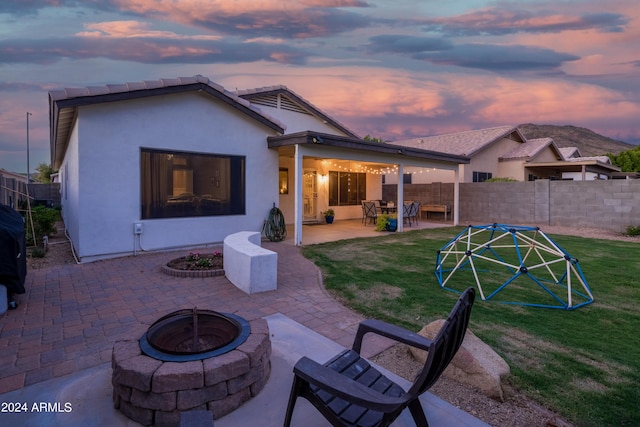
{"points": [[335, 146], [588, 165]]}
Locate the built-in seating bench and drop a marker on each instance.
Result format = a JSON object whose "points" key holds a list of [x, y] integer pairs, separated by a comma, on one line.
{"points": [[249, 266], [435, 208]]}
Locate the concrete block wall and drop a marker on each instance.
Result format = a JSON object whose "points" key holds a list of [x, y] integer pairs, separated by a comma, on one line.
{"points": [[612, 204]]}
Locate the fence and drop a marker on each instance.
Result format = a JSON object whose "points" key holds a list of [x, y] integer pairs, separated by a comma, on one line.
{"points": [[612, 204]]}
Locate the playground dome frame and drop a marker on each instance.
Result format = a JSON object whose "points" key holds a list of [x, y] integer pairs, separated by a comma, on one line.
{"points": [[486, 254]]}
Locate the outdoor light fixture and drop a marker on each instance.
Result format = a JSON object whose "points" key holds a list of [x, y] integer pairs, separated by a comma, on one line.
{"points": [[317, 140]]}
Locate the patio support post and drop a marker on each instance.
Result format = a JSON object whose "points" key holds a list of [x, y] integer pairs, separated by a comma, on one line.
{"points": [[456, 195], [400, 201], [297, 173]]}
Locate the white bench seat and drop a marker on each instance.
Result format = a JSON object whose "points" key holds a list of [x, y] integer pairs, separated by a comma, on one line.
{"points": [[249, 266]]}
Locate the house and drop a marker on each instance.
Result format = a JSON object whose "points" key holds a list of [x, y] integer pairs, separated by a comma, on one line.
{"points": [[13, 188], [182, 163], [505, 152]]}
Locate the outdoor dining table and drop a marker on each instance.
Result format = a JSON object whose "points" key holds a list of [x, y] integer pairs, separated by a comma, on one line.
{"points": [[388, 209]]}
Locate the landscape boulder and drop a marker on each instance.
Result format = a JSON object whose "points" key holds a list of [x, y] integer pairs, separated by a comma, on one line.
{"points": [[475, 364]]}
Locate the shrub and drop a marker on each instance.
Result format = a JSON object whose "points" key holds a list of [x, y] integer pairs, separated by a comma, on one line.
{"points": [[501, 179], [633, 231], [44, 222], [38, 252]]}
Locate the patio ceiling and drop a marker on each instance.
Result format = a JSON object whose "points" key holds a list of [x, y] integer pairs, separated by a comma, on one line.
{"points": [[373, 154]]}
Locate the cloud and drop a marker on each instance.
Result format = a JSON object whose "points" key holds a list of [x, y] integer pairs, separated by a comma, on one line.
{"points": [[266, 18], [406, 44], [146, 50], [494, 21], [133, 29], [498, 58]]}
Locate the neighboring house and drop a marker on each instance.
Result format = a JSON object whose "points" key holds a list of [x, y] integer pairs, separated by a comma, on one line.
{"points": [[13, 188], [505, 152], [182, 163]]}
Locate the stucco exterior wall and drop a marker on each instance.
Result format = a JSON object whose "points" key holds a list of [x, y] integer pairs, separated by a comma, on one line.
{"points": [[298, 122], [106, 202], [322, 167]]}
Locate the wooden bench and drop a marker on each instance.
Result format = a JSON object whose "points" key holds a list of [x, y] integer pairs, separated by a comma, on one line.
{"points": [[435, 208]]}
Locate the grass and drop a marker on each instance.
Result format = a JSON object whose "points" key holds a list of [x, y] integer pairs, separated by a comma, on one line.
{"points": [[583, 364]]}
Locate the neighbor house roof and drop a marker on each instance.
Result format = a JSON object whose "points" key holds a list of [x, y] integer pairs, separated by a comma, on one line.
{"points": [[464, 143], [531, 149], [569, 152], [289, 100], [63, 104]]}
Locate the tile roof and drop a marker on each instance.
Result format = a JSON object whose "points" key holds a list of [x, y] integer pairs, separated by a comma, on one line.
{"points": [[599, 159], [530, 149], [151, 85], [64, 102], [463, 143], [569, 152]]}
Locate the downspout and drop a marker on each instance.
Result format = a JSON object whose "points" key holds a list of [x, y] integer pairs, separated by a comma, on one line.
{"points": [[297, 173], [456, 196], [400, 201]]}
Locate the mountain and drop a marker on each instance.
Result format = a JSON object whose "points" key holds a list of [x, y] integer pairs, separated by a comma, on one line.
{"points": [[588, 142]]}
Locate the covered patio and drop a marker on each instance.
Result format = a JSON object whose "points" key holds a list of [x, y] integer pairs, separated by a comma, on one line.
{"points": [[338, 172]]}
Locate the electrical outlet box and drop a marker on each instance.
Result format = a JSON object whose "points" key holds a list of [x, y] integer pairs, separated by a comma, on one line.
{"points": [[137, 228]]}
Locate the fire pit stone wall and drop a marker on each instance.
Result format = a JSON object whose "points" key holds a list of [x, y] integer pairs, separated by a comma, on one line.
{"points": [[152, 392]]}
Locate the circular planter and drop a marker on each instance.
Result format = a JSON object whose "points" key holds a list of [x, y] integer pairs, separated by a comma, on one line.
{"points": [[200, 272], [329, 219]]}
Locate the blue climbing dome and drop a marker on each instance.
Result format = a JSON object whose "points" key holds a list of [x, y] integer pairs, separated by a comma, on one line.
{"points": [[522, 264]]}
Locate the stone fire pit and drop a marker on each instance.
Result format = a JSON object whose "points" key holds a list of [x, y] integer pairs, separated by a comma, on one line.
{"points": [[154, 392]]}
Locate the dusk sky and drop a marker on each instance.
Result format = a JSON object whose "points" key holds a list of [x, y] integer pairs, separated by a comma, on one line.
{"points": [[393, 69]]}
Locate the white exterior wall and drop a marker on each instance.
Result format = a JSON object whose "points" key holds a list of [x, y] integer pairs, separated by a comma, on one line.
{"points": [[298, 122], [374, 191], [108, 196], [70, 188]]}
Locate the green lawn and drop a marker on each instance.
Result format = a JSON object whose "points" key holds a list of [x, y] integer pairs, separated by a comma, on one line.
{"points": [[584, 364]]}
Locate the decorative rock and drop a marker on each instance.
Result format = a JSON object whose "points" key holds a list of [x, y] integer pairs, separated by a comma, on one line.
{"points": [[475, 363]]}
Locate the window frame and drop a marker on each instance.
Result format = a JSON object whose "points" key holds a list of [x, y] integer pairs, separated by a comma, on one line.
{"points": [[214, 184], [336, 190]]}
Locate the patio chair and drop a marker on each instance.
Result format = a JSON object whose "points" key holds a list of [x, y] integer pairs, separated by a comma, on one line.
{"points": [[406, 211], [369, 212], [414, 211], [348, 391]]}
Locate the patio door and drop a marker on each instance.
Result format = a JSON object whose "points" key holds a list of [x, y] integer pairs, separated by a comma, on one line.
{"points": [[310, 195]]}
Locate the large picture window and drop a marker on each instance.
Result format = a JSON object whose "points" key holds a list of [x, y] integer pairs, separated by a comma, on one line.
{"points": [[179, 184], [347, 188]]}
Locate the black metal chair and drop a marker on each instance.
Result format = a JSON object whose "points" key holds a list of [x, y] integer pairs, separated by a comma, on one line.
{"points": [[369, 212], [348, 391], [406, 212]]}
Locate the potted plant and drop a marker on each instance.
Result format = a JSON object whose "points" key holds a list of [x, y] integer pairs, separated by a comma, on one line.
{"points": [[329, 215], [387, 222]]}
